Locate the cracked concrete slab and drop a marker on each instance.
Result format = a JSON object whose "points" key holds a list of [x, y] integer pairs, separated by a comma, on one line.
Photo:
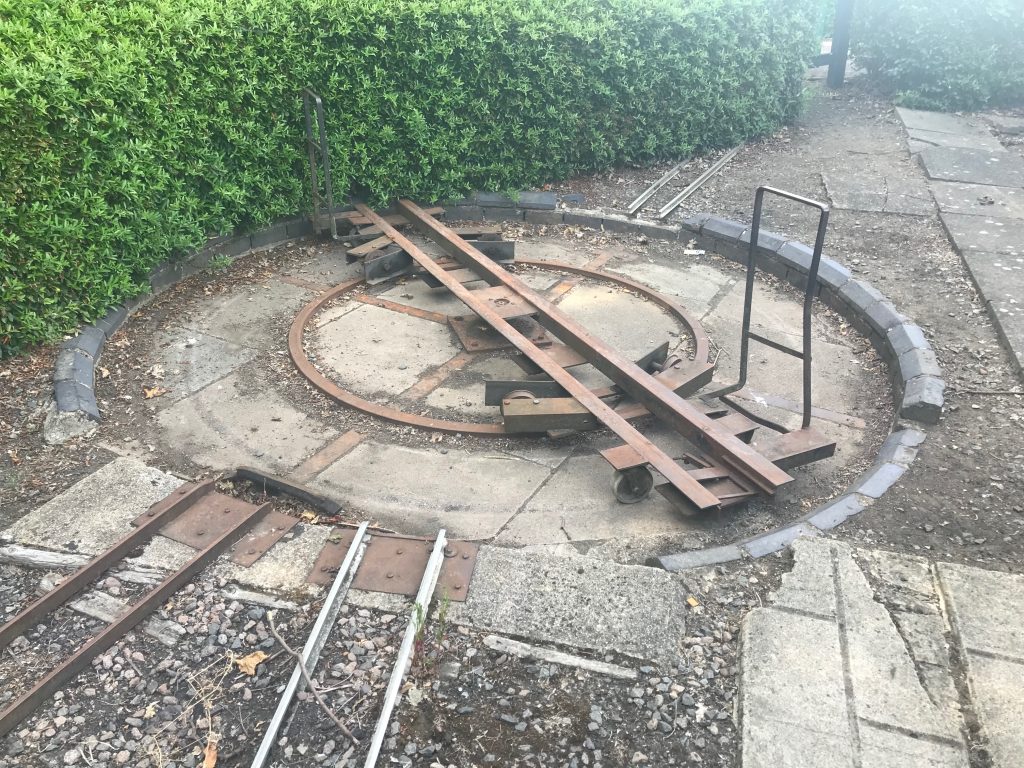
{"points": [[355, 348], [193, 360], [251, 315], [399, 486], [576, 601], [879, 192], [226, 425], [856, 680], [973, 166], [695, 285], [95, 511]]}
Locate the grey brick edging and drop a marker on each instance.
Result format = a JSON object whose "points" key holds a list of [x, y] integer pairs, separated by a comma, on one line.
{"points": [[916, 376], [75, 410]]}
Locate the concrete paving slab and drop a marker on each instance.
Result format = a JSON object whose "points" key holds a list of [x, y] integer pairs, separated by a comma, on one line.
{"points": [[418, 491], [973, 166], [1000, 279], [250, 315], [1007, 124], [228, 424], [328, 267], [577, 601], [919, 140], [883, 675], [548, 251], [998, 691], [981, 602], [615, 316], [192, 360], [372, 350], [939, 122], [578, 501], [806, 723], [285, 566], [979, 200], [985, 234], [95, 511], [416, 293], [827, 638], [695, 285], [880, 748], [878, 192]]}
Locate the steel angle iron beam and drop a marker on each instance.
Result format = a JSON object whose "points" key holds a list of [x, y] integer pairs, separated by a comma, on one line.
{"points": [[419, 613], [59, 677], [315, 644], [661, 401], [652, 190], [697, 183], [694, 491]]}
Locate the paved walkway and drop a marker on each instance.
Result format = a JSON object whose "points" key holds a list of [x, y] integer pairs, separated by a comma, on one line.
{"points": [[868, 658], [979, 188]]}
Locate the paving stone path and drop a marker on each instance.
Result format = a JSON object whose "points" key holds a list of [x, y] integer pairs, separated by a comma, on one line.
{"points": [[869, 658], [979, 188]]}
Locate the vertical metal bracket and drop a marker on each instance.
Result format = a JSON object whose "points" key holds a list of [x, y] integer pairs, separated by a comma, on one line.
{"points": [[319, 158], [812, 288]]}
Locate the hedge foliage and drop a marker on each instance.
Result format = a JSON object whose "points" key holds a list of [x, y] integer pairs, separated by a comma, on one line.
{"points": [[131, 130], [944, 54]]}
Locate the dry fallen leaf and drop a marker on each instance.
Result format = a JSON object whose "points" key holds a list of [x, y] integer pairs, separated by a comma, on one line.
{"points": [[151, 392], [692, 601], [210, 755], [150, 712], [248, 664], [309, 517], [104, 372], [15, 458]]}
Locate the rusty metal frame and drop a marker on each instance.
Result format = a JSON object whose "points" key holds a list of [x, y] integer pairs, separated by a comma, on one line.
{"points": [[671, 409], [348, 398], [81, 659]]}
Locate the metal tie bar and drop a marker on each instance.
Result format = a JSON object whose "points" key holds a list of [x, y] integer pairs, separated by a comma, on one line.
{"points": [[419, 613], [315, 644]]}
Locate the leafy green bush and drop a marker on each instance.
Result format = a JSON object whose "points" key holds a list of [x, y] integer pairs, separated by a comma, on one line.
{"points": [[944, 54], [131, 131]]}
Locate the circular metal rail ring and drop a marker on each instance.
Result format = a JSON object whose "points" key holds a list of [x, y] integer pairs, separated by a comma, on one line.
{"points": [[298, 354]]}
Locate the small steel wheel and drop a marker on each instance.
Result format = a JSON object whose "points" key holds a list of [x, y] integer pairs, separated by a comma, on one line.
{"points": [[633, 484]]}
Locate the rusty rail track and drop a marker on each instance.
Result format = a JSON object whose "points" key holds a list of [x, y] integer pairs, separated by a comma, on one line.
{"points": [[163, 513]]}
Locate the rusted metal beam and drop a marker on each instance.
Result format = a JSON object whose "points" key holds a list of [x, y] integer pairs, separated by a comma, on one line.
{"points": [[664, 464], [156, 517], [57, 678], [652, 394]]}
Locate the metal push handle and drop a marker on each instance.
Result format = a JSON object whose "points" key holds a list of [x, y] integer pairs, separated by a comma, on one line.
{"points": [[812, 288], [317, 145]]}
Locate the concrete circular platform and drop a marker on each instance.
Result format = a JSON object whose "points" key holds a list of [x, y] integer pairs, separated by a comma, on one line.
{"points": [[235, 398]]}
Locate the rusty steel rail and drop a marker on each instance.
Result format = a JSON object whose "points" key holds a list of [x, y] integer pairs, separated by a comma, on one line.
{"points": [[665, 404], [465, 253], [346, 397], [81, 659], [163, 512]]}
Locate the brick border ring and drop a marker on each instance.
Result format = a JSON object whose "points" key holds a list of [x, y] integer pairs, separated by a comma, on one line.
{"points": [[296, 349], [916, 377]]}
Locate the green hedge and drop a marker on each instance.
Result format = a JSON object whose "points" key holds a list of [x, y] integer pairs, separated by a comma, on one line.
{"points": [[130, 131], [944, 54]]}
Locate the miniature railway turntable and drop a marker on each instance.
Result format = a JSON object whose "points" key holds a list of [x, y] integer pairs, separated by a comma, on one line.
{"points": [[726, 465]]}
